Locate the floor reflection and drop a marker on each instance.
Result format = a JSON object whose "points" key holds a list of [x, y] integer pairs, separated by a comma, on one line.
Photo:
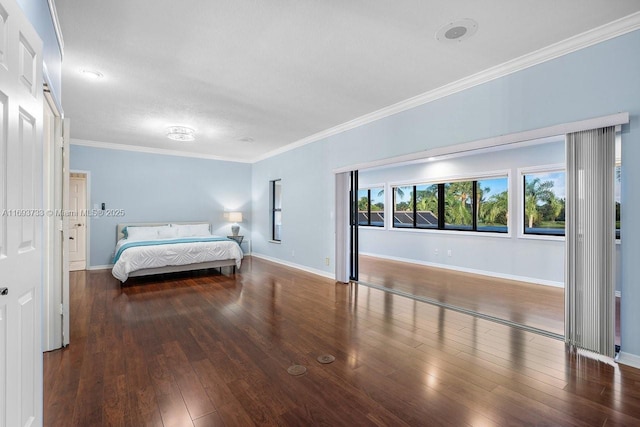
{"points": [[536, 306]]}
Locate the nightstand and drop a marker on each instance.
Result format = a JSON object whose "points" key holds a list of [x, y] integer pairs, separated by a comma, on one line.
{"points": [[245, 244]]}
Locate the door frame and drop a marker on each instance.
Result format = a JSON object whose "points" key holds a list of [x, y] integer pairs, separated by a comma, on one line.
{"points": [[87, 194], [53, 263]]}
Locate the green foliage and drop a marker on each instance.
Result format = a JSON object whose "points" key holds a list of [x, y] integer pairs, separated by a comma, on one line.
{"points": [[427, 199], [495, 210], [363, 204], [541, 204], [458, 199]]}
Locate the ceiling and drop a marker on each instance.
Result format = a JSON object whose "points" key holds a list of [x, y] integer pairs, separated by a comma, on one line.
{"points": [[254, 76]]}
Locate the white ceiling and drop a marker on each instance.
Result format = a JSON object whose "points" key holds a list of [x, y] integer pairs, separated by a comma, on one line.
{"points": [[280, 71]]}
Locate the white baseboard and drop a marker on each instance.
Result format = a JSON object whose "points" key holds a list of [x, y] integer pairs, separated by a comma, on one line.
{"points": [[100, 267], [629, 359], [293, 265], [471, 270]]}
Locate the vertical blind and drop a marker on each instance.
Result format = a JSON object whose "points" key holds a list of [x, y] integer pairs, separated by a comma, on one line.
{"points": [[590, 241]]}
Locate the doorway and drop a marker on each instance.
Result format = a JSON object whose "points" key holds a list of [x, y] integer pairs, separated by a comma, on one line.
{"points": [[522, 227], [78, 221]]}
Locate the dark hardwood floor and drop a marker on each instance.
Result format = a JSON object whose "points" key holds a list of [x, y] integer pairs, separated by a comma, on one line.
{"points": [[529, 304], [207, 349]]}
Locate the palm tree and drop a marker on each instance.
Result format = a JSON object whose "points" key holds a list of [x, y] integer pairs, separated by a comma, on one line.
{"points": [[403, 206], [427, 199], [458, 199], [535, 193], [495, 210], [363, 204]]}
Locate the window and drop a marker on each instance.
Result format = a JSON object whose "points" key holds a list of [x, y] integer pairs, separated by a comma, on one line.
{"points": [[427, 206], [371, 207], [473, 205], [458, 205], [403, 206], [544, 203], [493, 205], [276, 210]]}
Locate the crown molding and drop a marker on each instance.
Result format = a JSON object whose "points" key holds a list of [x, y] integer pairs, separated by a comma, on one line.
{"points": [[139, 149], [592, 37]]}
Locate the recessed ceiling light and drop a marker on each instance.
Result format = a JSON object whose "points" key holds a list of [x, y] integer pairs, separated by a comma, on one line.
{"points": [[181, 133], [457, 31], [91, 74], [431, 159]]}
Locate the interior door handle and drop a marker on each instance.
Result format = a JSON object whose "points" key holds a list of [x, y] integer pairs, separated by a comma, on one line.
{"points": [[78, 225], [4, 291], [71, 238]]}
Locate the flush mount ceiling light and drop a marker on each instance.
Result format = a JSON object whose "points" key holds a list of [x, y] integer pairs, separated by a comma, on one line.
{"points": [[457, 31], [246, 139], [181, 133], [91, 74]]}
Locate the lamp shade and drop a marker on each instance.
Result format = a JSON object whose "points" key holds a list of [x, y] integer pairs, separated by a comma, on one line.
{"points": [[235, 216]]}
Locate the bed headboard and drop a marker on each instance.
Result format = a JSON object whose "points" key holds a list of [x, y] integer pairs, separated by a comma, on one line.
{"points": [[120, 227]]}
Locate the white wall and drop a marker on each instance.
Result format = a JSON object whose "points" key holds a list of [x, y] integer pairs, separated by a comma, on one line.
{"points": [[530, 258]]}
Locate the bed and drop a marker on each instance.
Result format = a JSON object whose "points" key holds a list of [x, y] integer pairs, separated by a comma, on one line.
{"points": [[144, 249]]}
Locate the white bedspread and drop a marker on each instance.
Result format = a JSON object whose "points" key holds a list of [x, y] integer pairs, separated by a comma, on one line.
{"points": [[141, 257]]}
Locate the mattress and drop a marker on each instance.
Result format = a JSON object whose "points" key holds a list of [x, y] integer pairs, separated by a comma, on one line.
{"points": [[133, 256]]}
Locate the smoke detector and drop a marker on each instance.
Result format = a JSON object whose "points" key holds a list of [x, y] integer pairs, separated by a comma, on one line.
{"points": [[181, 133], [457, 31]]}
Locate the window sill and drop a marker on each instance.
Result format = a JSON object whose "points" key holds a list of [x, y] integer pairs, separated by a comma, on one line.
{"points": [[451, 232], [371, 227], [541, 237]]}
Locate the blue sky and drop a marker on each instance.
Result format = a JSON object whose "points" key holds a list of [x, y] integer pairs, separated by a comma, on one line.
{"points": [[557, 178], [496, 186]]}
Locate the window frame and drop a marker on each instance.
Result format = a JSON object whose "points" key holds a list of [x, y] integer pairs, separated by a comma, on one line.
{"points": [[368, 188], [550, 168], [274, 210]]}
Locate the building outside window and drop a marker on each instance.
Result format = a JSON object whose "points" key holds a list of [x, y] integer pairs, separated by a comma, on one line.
{"points": [[371, 207]]}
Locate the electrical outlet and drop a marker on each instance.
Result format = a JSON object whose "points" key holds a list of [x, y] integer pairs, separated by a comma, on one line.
{"points": [[326, 261], [449, 252]]}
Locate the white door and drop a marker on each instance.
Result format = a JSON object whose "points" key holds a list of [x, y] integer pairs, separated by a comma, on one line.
{"points": [[77, 222], [21, 116]]}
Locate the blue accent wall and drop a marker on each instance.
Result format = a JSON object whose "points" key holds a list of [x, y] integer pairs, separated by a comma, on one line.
{"points": [[596, 81], [156, 187]]}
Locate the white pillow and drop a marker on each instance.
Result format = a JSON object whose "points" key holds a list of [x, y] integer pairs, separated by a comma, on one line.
{"points": [[167, 233], [145, 233], [192, 230]]}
